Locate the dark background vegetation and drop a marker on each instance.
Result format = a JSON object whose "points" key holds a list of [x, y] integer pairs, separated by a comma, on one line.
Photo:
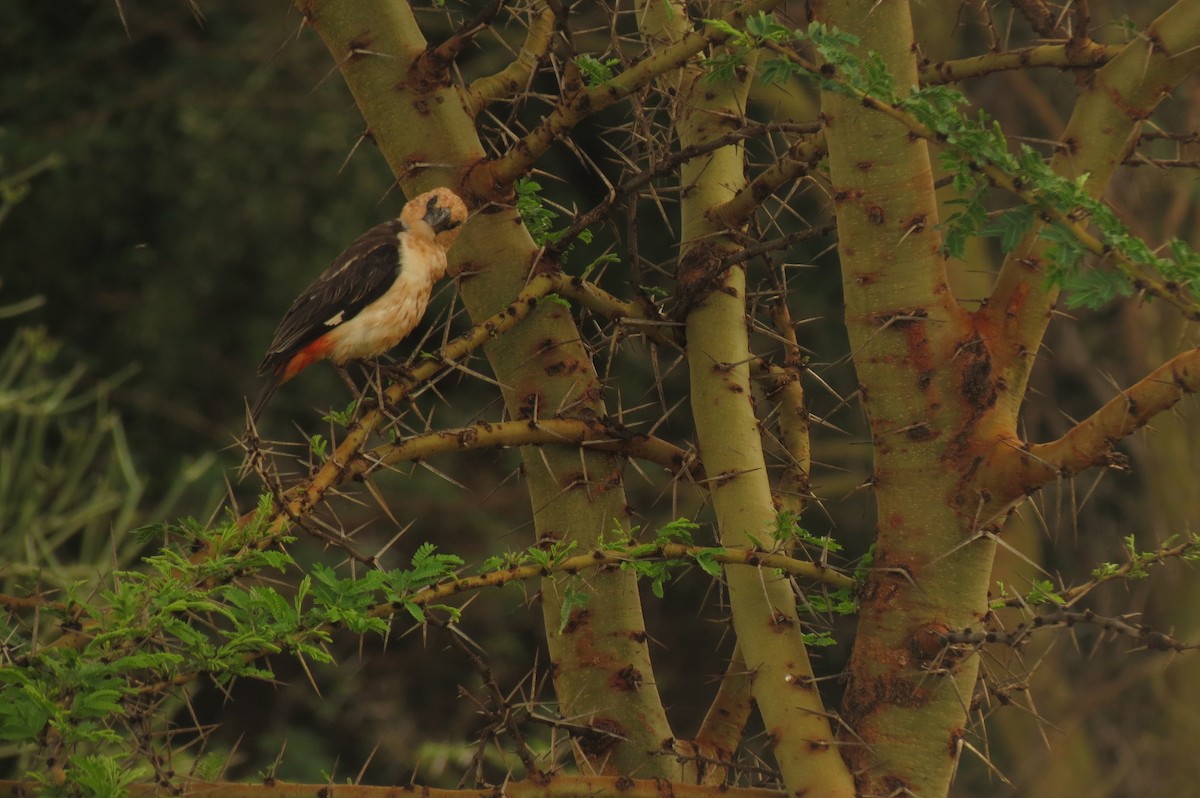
{"points": [[209, 168]]}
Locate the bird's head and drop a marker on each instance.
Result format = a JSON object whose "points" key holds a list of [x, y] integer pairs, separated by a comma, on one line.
{"points": [[439, 216], [441, 209]]}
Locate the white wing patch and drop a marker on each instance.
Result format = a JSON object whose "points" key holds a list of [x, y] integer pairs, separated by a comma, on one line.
{"points": [[336, 319]]}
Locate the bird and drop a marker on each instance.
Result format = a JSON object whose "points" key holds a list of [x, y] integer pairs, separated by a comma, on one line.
{"points": [[370, 297]]}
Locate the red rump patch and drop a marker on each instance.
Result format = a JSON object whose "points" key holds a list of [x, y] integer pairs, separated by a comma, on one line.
{"points": [[317, 350]]}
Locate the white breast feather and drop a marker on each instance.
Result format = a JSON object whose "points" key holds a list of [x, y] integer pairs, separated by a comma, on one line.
{"points": [[382, 324]]}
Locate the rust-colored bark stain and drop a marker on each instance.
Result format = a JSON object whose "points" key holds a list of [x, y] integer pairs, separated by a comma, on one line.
{"points": [[893, 785], [954, 747], [600, 737], [880, 594], [592, 398], [915, 223], [921, 433], [527, 406], [697, 274], [903, 688], [896, 688], [565, 366], [611, 481], [928, 643], [917, 342], [979, 388], [467, 269], [1133, 112], [844, 195], [627, 679], [802, 682], [1020, 296], [578, 619], [781, 623]]}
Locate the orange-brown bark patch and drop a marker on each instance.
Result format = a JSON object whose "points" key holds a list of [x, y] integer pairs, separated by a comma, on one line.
{"points": [[929, 641], [916, 223], [978, 384], [599, 737], [627, 679], [577, 620]]}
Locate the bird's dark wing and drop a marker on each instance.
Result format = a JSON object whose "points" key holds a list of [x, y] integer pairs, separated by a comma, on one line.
{"points": [[358, 277]]}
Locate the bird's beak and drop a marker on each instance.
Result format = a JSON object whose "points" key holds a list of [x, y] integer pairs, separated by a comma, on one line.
{"points": [[438, 217]]}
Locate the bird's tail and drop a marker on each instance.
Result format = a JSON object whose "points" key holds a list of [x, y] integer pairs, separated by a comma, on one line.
{"points": [[268, 390]]}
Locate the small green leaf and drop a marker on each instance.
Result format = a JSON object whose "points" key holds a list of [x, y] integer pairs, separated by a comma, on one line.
{"points": [[1043, 592], [724, 27], [819, 639], [318, 445], [574, 598], [595, 72], [705, 558], [1011, 226], [342, 417]]}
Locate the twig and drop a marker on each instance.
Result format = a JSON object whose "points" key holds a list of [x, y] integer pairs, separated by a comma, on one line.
{"points": [[1060, 619], [582, 102]]}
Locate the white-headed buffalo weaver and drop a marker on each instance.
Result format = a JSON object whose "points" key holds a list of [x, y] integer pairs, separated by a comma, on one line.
{"points": [[372, 295]]}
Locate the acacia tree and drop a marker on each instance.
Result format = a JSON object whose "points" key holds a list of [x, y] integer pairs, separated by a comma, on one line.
{"points": [[755, 133]]}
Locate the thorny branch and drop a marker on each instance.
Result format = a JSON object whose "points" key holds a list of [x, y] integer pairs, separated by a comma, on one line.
{"points": [[1135, 568], [581, 102], [501, 715], [1090, 443], [666, 166], [510, 81], [1060, 619], [590, 433], [1088, 54]]}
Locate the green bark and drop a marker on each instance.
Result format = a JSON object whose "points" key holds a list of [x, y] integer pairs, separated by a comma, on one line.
{"points": [[765, 617], [923, 379]]}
